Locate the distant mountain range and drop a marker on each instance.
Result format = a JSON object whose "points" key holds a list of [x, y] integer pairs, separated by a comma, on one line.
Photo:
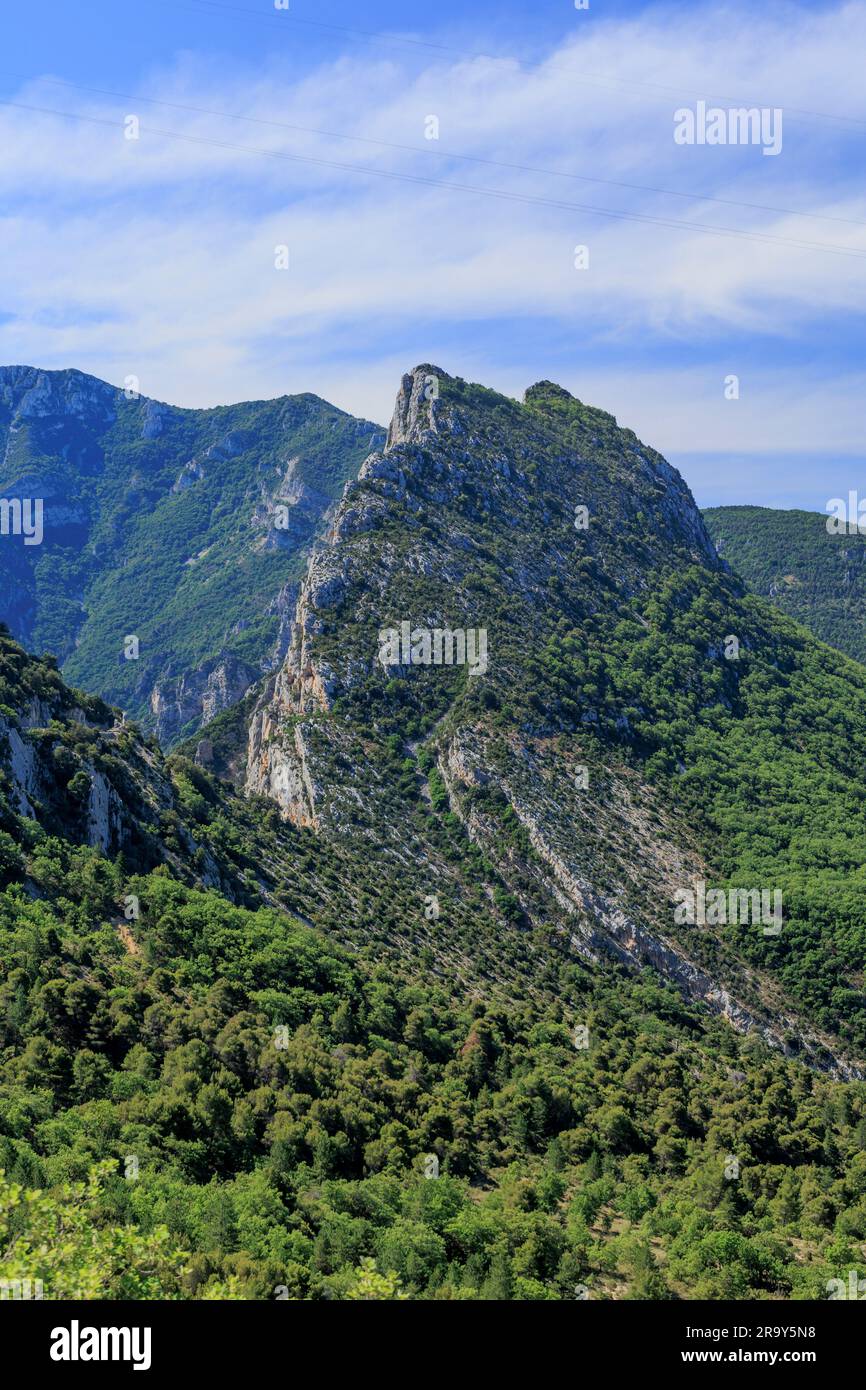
{"points": [[185, 529]]}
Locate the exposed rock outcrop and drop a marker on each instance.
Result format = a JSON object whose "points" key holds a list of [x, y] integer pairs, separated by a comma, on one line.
{"points": [[197, 697]]}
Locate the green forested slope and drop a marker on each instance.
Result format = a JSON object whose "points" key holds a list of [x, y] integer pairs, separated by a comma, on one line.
{"points": [[219, 1102], [790, 558], [160, 523]]}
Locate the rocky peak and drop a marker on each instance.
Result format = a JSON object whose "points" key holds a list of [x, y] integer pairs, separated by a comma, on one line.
{"points": [[466, 474], [415, 410]]}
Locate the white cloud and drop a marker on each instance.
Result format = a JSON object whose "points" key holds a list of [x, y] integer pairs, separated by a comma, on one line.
{"points": [[169, 244]]}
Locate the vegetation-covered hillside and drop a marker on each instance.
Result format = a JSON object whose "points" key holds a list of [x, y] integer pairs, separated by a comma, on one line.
{"points": [[163, 524], [384, 994], [790, 558], [213, 1100]]}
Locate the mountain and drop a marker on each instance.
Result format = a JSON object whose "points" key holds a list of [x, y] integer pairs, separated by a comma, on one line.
{"points": [[386, 985], [185, 529], [790, 558], [643, 723]]}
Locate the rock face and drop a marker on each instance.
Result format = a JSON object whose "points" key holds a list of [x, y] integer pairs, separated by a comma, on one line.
{"points": [[34, 786], [187, 529], [27, 394], [104, 814], [68, 762], [414, 413], [278, 766], [602, 920], [22, 768], [191, 700], [535, 522]]}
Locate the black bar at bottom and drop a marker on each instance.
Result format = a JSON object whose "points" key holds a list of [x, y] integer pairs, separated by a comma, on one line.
{"points": [[670, 1339]]}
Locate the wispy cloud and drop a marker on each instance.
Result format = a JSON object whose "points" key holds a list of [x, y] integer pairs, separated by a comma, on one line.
{"points": [[156, 256]]}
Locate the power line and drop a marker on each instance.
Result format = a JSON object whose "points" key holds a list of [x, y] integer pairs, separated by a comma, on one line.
{"points": [[442, 154], [499, 193], [592, 79]]}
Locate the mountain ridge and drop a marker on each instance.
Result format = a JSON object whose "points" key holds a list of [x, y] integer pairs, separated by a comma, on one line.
{"points": [[149, 508]]}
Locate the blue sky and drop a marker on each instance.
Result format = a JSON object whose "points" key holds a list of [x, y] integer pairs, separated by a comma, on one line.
{"points": [[261, 128]]}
